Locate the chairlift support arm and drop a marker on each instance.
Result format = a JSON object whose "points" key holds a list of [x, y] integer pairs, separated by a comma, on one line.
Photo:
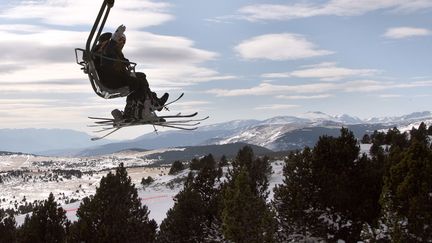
{"points": [[98, 25]]}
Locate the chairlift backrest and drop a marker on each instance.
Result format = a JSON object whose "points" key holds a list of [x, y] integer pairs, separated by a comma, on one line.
{"points": [[85, 58]]}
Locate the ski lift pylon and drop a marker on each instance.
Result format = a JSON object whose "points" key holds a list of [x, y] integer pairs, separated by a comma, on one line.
{"points": [[87, 56]]}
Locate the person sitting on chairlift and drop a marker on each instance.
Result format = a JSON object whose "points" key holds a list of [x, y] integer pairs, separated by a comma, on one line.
{"points": [[114, 74]]}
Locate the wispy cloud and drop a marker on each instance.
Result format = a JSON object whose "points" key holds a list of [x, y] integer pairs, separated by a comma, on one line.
{"points": [[260, 12], [41, 52], [284, 46], [323, 71], [83, 12], [164, 50], [192, 106], [276, 107], [406, 32], [20, 87], [271, 89], [389, 96], [304, 97], [319, 88]]}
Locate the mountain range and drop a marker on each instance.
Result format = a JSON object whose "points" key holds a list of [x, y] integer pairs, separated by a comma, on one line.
{"points": [[277, 134]]}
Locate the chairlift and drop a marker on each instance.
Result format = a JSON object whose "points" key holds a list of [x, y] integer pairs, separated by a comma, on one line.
{"points": [[85, 57]]}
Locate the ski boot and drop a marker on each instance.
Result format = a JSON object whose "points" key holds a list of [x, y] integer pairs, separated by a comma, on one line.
{"points": [[129, 110], [158, 103], [145, 111], [117, 115]]}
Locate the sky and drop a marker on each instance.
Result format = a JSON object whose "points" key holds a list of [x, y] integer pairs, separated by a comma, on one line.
{"points": [[243, 59]]}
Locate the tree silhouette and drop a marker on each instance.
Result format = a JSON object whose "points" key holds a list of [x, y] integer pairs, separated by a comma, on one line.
{"points": [[245, 215], [176, 167], [194, 217], [7, 227], [47, 224], [329, 192], [406, 197], [114, 213]]}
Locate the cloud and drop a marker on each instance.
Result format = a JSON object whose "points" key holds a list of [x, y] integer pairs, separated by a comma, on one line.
{"points": [[365, 86], [276, 107], [323, 71], [137, 13], [164, 50], [317, 88], [44, 87], [191, 106], [406, 32], [389, 96], [172, 61], [176, 77], [279, 12], [304, 97], [271, 89], [278, 47]]}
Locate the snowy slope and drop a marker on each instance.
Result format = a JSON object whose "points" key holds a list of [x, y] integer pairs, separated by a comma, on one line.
{"points": [[158, 196], [288, 132]]}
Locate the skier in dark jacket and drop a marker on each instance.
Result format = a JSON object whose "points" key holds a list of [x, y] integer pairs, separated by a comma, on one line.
{"points": [[114, 73]]}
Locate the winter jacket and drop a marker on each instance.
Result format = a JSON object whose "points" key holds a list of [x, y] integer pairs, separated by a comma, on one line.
{"points": [[118, 65]]}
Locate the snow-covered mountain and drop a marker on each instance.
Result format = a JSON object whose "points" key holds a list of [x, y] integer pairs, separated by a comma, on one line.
{"points": [[289, 132], [413, 117], [37, 141], [276, 133]]}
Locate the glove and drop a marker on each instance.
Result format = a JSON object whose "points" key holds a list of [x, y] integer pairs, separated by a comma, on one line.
{"points": [[119, 33]]}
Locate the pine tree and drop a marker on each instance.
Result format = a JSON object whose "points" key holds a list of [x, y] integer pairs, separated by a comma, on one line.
{"points": [[7, 227], [420, 134], [245, 215], [406, 200], [47, 224], [366, 139], [348, 185], [223, 161], [295, 200], [195, 164], [185, 220], [147, 181], [329, 192], [378, 138], [194, 217], [177, 166], [114, 214], [396, 139], [258, 170]]}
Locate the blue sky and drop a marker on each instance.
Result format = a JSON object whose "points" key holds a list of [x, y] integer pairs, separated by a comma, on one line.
{"points": [[233, 59]]}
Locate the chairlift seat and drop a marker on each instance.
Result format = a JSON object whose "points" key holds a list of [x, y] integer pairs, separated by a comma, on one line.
{"points": [[85, 57], [87, 65]]}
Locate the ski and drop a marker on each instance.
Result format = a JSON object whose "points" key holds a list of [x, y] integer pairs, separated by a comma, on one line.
{"points": [[180, 115], [103, 120], [104, 136], [137, 122], [171, 102], [176, 121], [177, 127]]}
